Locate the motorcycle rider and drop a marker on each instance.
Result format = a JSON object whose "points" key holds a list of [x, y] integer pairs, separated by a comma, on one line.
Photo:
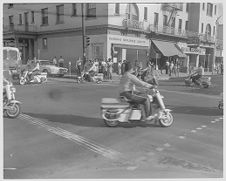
{"points": [[34, 69], [7, 78], [127, 83], [197, 74]]}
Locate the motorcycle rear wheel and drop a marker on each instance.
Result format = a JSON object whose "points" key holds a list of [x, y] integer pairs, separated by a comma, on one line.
{"points": [[166, 120], [111, 123], [15, 111]]}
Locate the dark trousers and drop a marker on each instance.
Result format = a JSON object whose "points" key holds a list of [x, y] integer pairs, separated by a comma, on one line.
{"points": [[195, 78], [138, 98]]}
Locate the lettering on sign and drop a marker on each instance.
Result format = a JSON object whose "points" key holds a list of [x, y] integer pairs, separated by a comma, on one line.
{"points": [[128, 40]]}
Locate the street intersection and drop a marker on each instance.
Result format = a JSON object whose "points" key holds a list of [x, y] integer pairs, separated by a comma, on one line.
{"points": [[60, 134]]}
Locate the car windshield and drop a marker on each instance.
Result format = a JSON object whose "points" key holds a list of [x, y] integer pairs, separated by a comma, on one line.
{"points": [[44, 63], [12, 55]]}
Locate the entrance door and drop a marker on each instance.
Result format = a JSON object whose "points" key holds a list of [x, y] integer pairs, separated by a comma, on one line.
{"points": [[26, 21]]}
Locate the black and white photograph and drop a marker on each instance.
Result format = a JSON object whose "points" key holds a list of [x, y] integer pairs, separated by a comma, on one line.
{"points": [[112, 90]]}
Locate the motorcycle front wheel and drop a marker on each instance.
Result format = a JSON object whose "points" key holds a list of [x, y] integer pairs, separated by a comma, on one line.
{"points": [[22, 81], [166, 119], [14, 110], [111, 123]]}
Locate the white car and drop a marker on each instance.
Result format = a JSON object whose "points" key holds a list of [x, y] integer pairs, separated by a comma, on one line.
{"points": [[50, 69]]}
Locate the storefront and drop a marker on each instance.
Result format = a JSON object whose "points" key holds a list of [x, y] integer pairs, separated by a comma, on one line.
{"points": [[128, 48]]}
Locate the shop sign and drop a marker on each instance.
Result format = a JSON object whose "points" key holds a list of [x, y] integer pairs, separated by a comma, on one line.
{"points": [[200, 51], [128, 40]]}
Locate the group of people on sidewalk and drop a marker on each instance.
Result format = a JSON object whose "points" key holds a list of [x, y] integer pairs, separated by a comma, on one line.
{"points": [[58, 63]]}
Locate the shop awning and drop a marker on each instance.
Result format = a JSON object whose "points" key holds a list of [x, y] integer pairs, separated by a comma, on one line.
{"points": [[131, 47], [168, 49]]}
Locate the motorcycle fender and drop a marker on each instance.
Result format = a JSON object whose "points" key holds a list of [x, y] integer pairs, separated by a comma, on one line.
{"points": [[168, 110], [15, 102]]}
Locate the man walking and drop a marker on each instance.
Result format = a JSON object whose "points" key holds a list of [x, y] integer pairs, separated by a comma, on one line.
{"points": [[61, 62]]}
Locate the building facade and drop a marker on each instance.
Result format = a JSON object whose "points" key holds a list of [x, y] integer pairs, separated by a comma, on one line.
{"points": [[143, 32]]}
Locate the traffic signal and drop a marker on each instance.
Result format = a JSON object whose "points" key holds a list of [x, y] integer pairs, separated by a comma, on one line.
{"points": [[87, 41]]}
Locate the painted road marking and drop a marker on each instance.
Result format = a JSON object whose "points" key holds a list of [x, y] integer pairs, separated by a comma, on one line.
{"points": [[198, 128], [167, 145], [213, 121], [193, 131], [87, 143], [159, 149], [204, 126], [182, 137]]}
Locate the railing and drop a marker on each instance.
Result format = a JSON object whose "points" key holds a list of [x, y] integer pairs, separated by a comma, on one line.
{"points": [[219, 44], [207, 38], [20, 28], [170, 6], [134, 24]]}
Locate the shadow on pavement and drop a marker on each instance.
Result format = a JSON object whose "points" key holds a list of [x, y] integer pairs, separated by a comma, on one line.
{"points": [[205, 111], [85, 121]]}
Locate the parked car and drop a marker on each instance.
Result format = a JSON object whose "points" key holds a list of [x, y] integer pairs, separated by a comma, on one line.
{"points": [[50, 69]]}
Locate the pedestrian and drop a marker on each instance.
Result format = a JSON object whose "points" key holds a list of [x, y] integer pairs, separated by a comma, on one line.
{"points": [[222, 68], [109, 69], [61, 62], [78, 66], [171, 68], [55, 61], [119, 67], [167, 67], [123, 67]]}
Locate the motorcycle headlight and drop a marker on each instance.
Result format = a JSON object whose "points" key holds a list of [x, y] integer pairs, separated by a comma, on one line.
{"points": [[13, 89]]}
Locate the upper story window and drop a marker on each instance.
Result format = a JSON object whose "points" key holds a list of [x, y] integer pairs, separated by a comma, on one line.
{"points": [[132, 12], [32, 17], [74, 9], [187, 7], [20, 19], [209, 11], [202, 28], [180, 24], [91, 10], [165, 20], [117, 8], [214, 30], [26, 18], [173, 22], [203, 6], [11, 20], [45, 16], [60, 14], [180, 5], [10, 6], [208, 30], [145, 13], [215, 9], [156, 19]]}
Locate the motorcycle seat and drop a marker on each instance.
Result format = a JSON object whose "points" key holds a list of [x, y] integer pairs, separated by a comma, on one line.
{"points": [[113, 103]]}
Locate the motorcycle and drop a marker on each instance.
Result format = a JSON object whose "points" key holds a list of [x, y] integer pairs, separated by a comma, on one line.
{"points": [[203, 82], [221, 103], [114, 110], [11, 107], [90, 77], [38, 78]]}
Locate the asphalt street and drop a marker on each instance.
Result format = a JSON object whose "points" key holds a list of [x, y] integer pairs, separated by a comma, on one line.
{"points": [[60, 134]]}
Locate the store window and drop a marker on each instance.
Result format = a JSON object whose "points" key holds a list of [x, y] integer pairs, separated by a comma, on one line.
{"points": [[214, 30], [187, 7], [44, 43], [44, 16], [117, 8], [173, 22], [91, 10], [132, 12], [74, 9], [215, 9], [208, 30], [32, 17], [145, 13], [98, 51], [209, 11], [20, 19], [203, 6], [156, 19], [60, 14]]}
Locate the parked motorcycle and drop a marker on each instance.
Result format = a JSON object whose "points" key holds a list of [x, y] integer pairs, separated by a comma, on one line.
{"points": [[11, 107], [38, 78], [115, 111], [203, 82]]}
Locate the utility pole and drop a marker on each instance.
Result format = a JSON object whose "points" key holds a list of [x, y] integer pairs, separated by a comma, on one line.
{"points": [[83, 35]]}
